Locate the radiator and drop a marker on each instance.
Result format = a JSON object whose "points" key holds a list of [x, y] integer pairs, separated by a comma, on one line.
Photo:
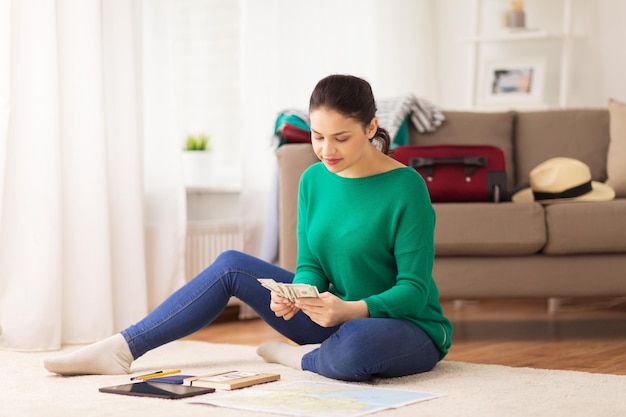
{"points": [[207, 239]]}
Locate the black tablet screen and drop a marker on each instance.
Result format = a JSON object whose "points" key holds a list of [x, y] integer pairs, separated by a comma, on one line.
{"points": [[154, 389]]}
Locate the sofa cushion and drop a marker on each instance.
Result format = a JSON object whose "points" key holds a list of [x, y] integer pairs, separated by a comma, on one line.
{"points": [[616, 157], [494, 229], [473, 128], [580, 134], [586, 227]]}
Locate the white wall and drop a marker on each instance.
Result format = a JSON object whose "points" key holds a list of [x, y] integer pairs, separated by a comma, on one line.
{"points": [[597, 63], [610, 41]]}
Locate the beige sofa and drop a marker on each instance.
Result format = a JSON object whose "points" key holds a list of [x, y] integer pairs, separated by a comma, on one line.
{"points": [[488, 250]]}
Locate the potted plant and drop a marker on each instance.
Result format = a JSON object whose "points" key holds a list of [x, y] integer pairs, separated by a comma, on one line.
{"points": [[197, 157], [197, 142]]}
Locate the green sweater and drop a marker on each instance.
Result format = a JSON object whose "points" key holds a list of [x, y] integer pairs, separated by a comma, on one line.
{"points": [[371, 239]]}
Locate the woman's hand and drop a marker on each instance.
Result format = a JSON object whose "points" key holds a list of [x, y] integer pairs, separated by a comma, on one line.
{"points": [[282, 307], [329, 310]]}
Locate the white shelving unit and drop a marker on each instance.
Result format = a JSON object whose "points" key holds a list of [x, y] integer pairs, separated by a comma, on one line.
{"points": [[511, 38]]}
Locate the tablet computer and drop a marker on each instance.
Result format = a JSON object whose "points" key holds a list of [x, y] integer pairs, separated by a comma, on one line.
{"points": [[156, 389]]}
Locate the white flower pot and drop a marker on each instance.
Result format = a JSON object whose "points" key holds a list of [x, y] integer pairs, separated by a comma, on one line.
{"points": [[197, 168]]}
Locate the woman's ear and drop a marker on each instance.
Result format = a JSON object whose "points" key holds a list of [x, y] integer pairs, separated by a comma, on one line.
{"points": [[372, 128]]}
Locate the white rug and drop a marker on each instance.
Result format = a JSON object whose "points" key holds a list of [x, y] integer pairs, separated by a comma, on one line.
{"points": [[27, 389]]}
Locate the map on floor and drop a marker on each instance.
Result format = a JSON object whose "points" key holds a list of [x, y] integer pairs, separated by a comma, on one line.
{"points": [[318, 399]]}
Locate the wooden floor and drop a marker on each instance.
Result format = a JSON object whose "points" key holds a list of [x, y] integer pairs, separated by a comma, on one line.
{"points": [[581, 335]]}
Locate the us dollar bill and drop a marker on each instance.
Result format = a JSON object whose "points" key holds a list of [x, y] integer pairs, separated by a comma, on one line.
{"points": [[290, 291]]}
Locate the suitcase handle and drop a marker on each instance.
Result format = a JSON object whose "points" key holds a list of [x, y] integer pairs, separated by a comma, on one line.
{"points": [[469, 162]]}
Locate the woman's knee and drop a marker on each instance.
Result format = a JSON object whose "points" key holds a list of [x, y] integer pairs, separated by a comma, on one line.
{"points": [[343, 366], [346, 354], [231, 260], [226, 262], [231, 256], [364, 348]]}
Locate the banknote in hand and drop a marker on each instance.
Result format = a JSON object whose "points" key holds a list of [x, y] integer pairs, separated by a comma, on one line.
{"points": [[290, 291]]}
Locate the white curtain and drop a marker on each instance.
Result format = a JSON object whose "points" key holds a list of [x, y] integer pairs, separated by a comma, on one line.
{"points": [[74, 259], [165, 198]]}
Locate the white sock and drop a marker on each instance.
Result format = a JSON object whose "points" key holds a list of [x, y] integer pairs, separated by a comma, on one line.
{"points": [[284, 353], [110, 356]]}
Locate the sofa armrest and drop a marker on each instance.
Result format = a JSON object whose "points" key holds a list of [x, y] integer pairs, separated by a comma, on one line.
{"points": [[292, 160]]}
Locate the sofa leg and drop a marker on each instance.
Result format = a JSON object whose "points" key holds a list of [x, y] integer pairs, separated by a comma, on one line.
{"points": [[554, 305], [460, 304]]}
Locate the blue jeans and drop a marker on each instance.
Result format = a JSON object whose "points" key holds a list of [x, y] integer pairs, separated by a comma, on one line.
{"points": [[354, 351]]}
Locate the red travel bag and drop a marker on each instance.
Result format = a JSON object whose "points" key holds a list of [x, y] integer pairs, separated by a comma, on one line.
{"points": [[458, 173], [293, 134]]}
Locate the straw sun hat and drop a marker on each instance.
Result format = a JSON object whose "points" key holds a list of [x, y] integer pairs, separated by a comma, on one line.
{"points": [[563, 180]]}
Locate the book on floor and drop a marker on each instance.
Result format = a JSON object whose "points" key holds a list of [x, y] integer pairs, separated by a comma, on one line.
{"points": [[230, 380]]}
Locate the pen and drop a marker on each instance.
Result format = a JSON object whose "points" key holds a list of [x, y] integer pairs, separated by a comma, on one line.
{"points": [[150, 374], [157, 374]]}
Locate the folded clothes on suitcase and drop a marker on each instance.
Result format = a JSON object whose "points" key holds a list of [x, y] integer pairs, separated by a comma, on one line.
{"points": [[458, 173], [293, 134]]}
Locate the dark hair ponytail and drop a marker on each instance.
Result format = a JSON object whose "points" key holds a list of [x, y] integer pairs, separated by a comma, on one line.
{"points": [[352, 97], [383, 140]]}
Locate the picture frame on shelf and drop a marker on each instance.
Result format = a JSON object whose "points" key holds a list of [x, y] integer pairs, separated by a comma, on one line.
{"points": [[512, 81]]}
